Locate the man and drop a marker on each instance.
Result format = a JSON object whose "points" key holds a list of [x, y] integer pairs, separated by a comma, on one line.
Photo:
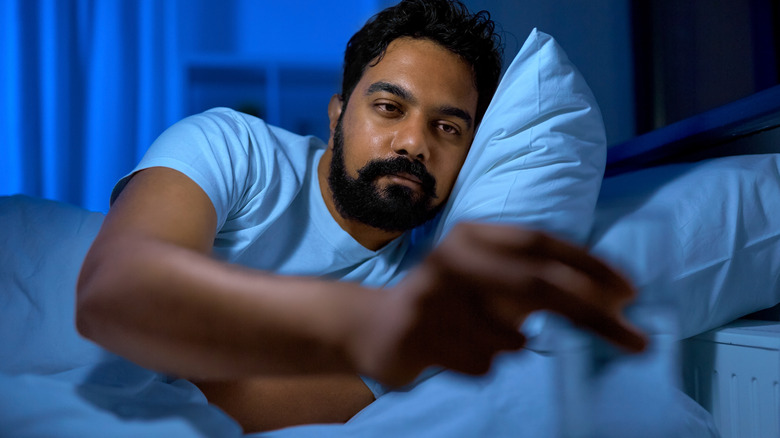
{"points": [[218, 257]]}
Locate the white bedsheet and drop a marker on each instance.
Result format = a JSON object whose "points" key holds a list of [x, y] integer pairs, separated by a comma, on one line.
{"points": [[53, 383], [632, 398]]}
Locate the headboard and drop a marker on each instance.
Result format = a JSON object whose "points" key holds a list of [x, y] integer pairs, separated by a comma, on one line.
{"points": [[747, 126]]}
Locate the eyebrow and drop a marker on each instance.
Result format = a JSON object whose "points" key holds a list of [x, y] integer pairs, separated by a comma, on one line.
{"points": [[456, 112], [392, 89], [406, 95]]}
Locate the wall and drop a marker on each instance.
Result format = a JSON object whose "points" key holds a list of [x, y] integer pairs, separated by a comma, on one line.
{"points": [[698, 55], [597, 37], [278, 60], [287, 39]]}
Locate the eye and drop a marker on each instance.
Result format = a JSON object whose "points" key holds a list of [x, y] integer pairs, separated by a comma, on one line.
{"points": [[387, 107], [448, 128]]}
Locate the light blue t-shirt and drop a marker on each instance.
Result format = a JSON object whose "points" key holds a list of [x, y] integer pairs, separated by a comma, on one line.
{"points": [[263, 183]]}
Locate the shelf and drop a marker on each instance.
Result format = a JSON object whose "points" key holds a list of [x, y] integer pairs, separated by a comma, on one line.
{"points": [[290, 94]]}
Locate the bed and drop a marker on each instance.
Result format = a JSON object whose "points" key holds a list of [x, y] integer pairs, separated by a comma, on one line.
{"points": [[729, 366], [692, 225]]}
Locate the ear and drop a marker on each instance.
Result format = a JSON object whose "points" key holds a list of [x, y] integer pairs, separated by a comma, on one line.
{"points": [[334, 111]]}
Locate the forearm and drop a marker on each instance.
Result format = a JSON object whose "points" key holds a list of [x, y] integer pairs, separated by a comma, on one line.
{"points": [[265, 403], [179, 311]]}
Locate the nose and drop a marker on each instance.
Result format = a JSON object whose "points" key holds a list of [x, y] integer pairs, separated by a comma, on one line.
{"points": [[411, 140]]}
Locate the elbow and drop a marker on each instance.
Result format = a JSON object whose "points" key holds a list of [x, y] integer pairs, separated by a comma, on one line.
{"points": [[93, 310], [86, 321], [86, 306], [84, 324], [107, 291]]}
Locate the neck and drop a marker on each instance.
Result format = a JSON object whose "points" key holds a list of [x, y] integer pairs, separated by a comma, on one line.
{"points": [[368, 236]]}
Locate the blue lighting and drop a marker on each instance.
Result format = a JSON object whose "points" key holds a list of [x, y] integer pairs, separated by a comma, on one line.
{"points": [[87, 86]]}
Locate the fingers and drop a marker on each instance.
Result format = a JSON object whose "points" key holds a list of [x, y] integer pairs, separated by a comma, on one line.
{"points": [[530, 245], [465, 302], [527, 270], [590, 304], [608, 323]]}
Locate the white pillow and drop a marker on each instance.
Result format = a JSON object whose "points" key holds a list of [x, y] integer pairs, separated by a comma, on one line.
{"points": [[539, 154], [700, 239], [42, 245]]}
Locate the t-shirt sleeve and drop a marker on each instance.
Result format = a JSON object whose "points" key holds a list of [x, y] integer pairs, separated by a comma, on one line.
{"points": [[218, 150]]}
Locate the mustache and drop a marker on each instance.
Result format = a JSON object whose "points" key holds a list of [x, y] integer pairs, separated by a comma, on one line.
{"points": [[376, 168]]}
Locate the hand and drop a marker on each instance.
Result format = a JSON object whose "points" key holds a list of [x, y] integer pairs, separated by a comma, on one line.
{"points": [[465, 302]]}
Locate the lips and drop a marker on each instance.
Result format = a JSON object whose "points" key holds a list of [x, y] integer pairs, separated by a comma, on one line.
{"points": [[408, 177], [401, 171]]}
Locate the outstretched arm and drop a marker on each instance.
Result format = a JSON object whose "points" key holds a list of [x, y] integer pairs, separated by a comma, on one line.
{"points": [[149, 290]]}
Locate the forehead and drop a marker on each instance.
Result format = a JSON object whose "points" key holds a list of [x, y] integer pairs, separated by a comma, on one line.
{"points": [[426, 69]]}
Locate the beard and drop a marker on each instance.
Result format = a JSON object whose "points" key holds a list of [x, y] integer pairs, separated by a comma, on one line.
{"points": [[393, 208]]}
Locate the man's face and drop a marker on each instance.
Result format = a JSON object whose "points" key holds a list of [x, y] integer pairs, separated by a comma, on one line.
{"points": [[403, 136]]}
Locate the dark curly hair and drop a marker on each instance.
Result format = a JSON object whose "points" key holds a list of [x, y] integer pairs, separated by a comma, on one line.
{"points": [[446, 22]]}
